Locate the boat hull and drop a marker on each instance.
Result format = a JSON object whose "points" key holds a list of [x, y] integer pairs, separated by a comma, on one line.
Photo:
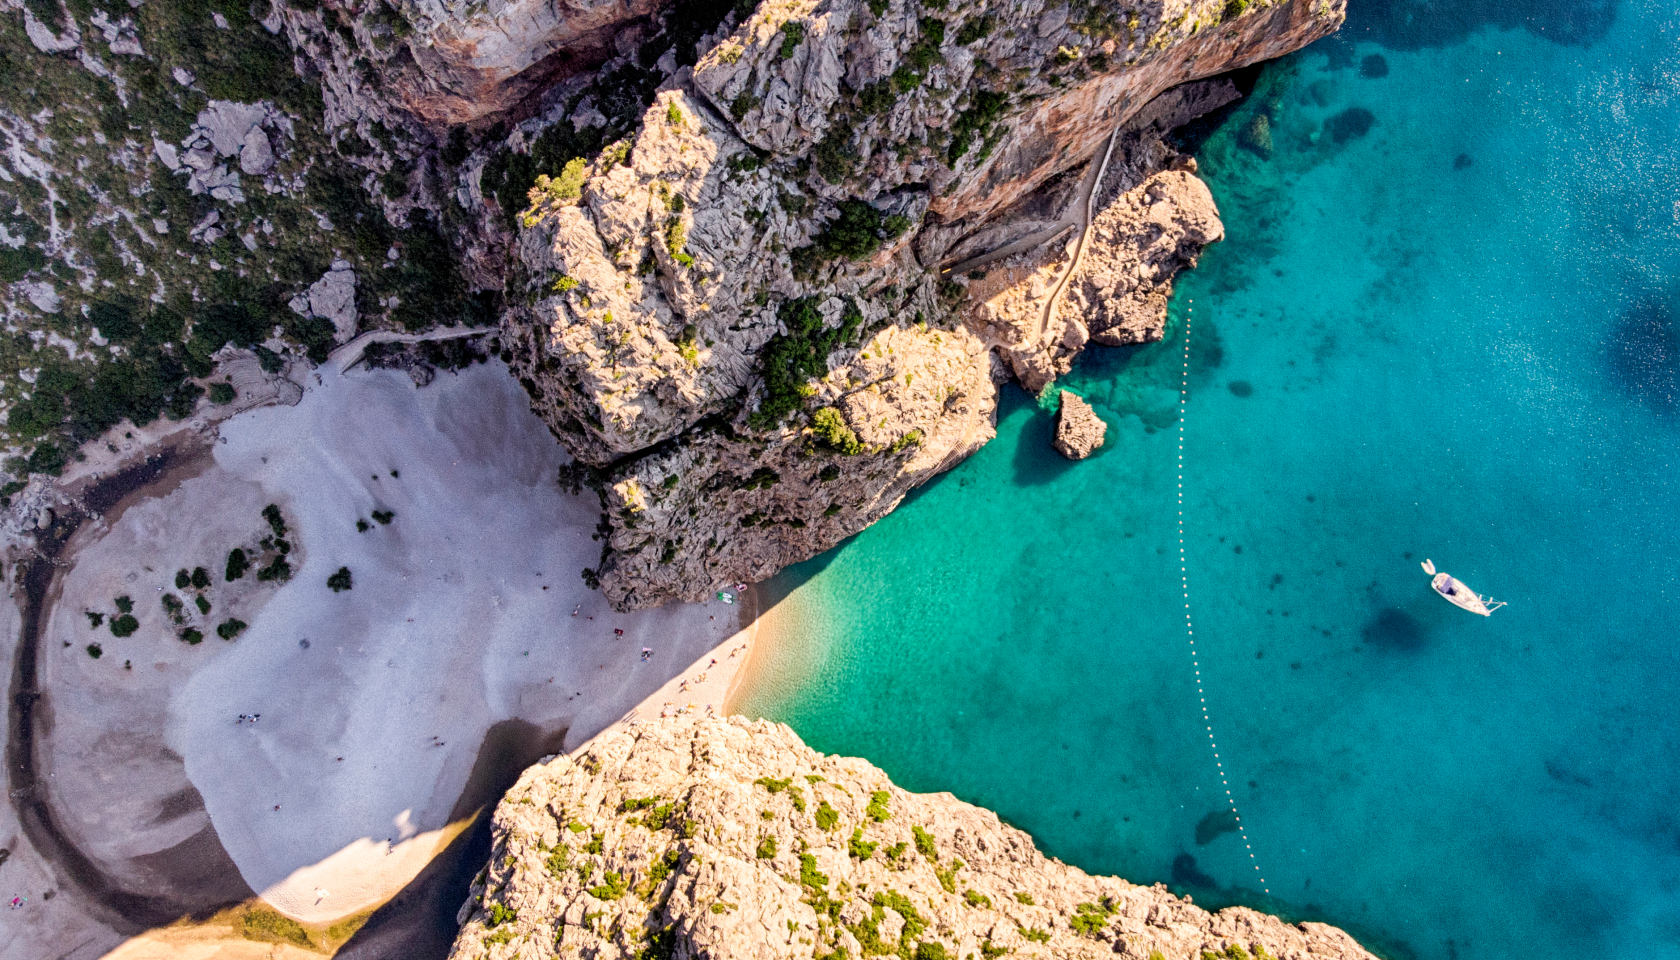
{"points": [[1459, 595]]}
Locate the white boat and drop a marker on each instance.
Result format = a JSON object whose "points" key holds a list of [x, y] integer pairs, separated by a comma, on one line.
{"points": [[1459, 595]]}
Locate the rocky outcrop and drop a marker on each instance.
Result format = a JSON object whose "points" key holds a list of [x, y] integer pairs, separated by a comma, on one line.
{"points": [[731, 838], [1138, 244], [1079, 431], [731, 313]]}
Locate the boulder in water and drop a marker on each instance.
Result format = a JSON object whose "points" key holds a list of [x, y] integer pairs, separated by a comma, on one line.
{"points": [[1079, 430], [1257, 136]]}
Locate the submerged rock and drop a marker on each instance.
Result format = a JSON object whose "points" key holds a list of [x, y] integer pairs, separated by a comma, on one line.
{"points": [[1079, 431], [731, 838], [1257, 135]]}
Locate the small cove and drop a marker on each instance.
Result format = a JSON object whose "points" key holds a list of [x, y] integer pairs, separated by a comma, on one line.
{"points": [[1443, 325]]}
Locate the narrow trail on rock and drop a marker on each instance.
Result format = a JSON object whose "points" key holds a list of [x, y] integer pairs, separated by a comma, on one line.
{"points": [[1189, 624]]}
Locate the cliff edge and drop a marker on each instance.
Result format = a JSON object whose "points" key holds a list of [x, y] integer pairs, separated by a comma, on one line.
{"points": [[730, 838]]}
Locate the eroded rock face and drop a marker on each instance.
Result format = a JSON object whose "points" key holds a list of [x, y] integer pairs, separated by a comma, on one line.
{"points": [[731, 838], [820, 161], [1079, 431], [1139, 243]]}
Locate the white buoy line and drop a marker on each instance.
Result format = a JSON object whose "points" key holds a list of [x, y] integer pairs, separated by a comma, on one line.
{"points": [[1189, 625]]}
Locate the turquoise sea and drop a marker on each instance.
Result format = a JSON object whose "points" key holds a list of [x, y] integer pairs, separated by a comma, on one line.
{"points": [[1446, 324]]}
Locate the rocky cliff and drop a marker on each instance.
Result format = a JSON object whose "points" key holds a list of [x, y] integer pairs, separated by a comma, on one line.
{"points": [[735, 308], [730, 838]]}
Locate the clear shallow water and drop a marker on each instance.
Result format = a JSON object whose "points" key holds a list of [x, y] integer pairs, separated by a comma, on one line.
{"points": [[1458, 336]]}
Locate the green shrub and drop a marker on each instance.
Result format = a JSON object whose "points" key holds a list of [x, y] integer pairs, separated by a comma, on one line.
{"points": [[830, 428], [237, 564], [896, 851], [877, 809], [612, 887], [202, 604], [222, 393], [340, 581], [95, 619], [362, 526], [500, 914], [827, 817], [192, 637], [878, 97], [1034, 935], [809, 875], [564, 284], [276, 522], [268, 925], [932, 951], [1089, 919], [673, 114], [1023, 897], [924, 843], [230, 628], [95, 651], [773, 785], [125, 604], [278, 569], [383, 517], [975, 898], [793, 34], [743, 104], [877, 7], [974, 28], [767, 848], [789, 359], [984, 110], [183, 579], [558, 860], [1234, 9], [124, 626], [948, 875], [201, 578], [858, 847]]}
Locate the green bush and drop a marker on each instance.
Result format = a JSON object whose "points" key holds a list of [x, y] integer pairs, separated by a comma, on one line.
{"points": [[975, 898], [191, 636], [1089, 919], [558, 860], [948, 875], [773, 785], [222, 393], [201, 578], [95, 619], [125, 604], [202, 604], [924, 843], [278, 569], [276, 522], [1034, 935], [230, 628], [877, 809], [793, 34], [383, 517], [339, 581], [809, 875], [500, 914], [932, 951], [789, 359], [858, 847], [1023, 897], [827, 817], [767, 848], [268, 925], [124, 626], [831, 431], [95, 651], [237, 564], [974, 28], [983, 112], [612, 887]]}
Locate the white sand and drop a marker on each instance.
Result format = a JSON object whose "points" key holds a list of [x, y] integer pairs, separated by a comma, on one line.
{"points": [[447, 630]]}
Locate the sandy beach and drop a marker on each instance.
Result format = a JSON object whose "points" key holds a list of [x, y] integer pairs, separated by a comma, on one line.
{"points": [[325, 751]]}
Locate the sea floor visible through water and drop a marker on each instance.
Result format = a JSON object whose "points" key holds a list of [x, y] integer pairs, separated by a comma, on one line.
{"points": [[1444, 326]]}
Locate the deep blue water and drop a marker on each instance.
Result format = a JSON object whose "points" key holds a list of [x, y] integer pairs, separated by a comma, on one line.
{"points": [[1452, 333]]}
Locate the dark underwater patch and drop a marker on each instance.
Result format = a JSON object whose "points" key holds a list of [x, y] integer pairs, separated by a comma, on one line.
{"points": [[1374, 66], [1214, 825], [1463, 161], [1394, 629], [1644, 353], [1417, 24], [1350, 124], [1241, 388], [1185, 874]]}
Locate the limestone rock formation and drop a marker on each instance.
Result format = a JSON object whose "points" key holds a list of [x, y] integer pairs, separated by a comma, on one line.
{"points": [[1079, 431], [1139, 243], [730, 838], [735, 312]]}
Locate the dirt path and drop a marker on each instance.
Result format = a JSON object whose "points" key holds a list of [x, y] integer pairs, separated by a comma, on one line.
{"points": [[350, 354], [1086, 201]]}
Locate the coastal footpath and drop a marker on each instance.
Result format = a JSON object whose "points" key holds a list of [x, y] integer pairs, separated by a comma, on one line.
{"points": [[731, 838]]}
